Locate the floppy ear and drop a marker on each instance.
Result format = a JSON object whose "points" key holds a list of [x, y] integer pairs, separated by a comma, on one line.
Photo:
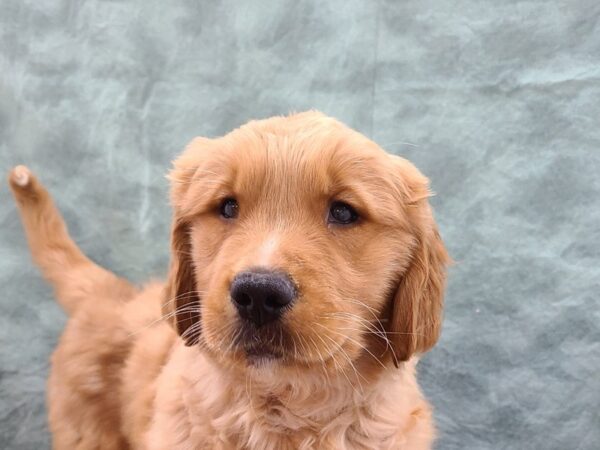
{"points": [[181, 302], [416, 315]]}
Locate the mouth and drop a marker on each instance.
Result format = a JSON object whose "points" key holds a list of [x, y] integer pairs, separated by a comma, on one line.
{"points": [[261, 345], [262, 350], [258, 354]]}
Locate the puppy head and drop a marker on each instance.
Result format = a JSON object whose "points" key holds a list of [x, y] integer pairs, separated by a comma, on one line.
{"points": [[299, 241]]}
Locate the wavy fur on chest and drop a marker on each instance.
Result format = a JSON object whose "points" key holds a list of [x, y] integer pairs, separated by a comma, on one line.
{"points": [[211, 408]]}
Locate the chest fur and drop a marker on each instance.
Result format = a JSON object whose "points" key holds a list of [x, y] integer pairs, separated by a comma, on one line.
{"points": [[207, 410]]}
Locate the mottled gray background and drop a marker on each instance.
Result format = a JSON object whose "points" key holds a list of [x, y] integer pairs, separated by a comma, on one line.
{"points": [[498, 102]]}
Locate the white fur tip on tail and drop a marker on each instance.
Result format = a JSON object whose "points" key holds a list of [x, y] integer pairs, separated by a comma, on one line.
{"points": [[21, 176]]}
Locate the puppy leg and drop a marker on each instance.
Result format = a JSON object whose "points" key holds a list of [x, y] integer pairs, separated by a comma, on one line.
{"points": [[74, 276]]}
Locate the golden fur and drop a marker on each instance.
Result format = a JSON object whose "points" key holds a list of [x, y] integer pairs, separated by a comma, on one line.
{"points": [[163, 366]]}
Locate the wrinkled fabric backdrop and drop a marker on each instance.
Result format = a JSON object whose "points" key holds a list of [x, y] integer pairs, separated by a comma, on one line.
{"points": [[498, 102]]}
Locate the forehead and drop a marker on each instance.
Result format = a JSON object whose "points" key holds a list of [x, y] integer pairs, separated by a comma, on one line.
{"points": [[318, 155]]}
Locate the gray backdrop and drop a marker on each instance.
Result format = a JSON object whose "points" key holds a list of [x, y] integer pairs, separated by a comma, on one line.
{"points": [[496, 101]]}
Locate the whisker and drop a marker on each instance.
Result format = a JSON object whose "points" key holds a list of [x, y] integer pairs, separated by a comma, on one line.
{"points": [[370, 326], [182, 309], [374, 314], [321, 358], [182, 295], [233, 341], [410, 144], [358, 302], [296, 354], [224, 337], [387, 332], [357, 343], [335, 361], [191, 330], [343, 352]]}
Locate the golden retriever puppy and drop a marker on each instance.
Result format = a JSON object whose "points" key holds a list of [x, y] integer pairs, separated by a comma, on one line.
{"points": [[306, 277]]}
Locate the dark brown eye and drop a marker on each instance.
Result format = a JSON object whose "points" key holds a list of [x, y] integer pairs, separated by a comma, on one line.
{"points": [[229, 208], [342, 213]]}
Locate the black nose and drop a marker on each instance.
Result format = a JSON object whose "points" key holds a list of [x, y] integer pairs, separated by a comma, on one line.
{"points": [[261, 296]]}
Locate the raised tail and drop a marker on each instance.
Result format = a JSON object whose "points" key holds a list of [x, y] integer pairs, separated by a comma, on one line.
{"points": [[73, 275]]}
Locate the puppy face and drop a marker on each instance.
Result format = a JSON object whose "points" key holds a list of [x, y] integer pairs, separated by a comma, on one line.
{"points": [[298, 241]]}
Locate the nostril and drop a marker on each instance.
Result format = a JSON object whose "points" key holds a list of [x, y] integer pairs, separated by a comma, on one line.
{"points": [[273, 302], [243, 299]]}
